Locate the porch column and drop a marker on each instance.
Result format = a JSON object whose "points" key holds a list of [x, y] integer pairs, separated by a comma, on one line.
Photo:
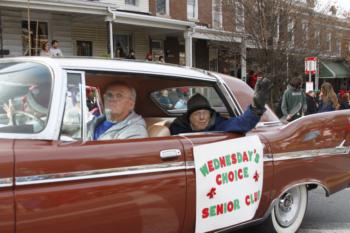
{"points": [[188, 46], [111, 38], [244, 59]]}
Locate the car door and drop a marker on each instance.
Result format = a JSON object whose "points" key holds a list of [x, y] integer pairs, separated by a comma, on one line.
{"points": [[16, 79], [7, 213], [216, 98], [134, 185], [192, 140]]}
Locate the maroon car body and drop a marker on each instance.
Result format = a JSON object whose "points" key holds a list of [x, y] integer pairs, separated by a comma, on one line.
{"points": [[52, 179]]}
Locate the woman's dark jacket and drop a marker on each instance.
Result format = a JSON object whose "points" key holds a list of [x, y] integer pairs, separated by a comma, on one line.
{"points": [[239, 124], [311, 105], [325, 107]]}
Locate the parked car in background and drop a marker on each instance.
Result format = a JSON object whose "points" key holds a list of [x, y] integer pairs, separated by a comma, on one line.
{"points": [[53, 179]]}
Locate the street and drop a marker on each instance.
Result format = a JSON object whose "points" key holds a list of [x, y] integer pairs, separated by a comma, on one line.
{"points": [[323, 214], [327, 215]]}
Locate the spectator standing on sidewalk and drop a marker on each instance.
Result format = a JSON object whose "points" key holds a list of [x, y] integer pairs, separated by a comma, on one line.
{"points": [[149, 56], [293, 96], [329, 100], [311, 103], [344, 103], [55, 51], [161, 59], [45, 51], [131, 55]]}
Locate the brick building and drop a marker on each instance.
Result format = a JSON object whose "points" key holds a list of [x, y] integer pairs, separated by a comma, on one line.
{"points": [[200, 33]]}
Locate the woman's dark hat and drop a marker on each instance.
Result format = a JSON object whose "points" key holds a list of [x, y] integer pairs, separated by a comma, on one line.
{"points": [[197, 102]]}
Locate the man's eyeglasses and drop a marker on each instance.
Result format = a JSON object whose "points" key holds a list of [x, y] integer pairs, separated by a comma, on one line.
{"points": [[117, 96]]}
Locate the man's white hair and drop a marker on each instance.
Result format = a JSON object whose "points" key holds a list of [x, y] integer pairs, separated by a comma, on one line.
{"points": [[131, 89]]}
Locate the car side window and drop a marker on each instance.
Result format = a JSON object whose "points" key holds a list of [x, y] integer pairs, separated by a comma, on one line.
{"points": [[174, 100], [25, 96], [72, 119]]}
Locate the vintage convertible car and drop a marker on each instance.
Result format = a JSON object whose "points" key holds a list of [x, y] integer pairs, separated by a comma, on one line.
{"points": [[52, 179]]}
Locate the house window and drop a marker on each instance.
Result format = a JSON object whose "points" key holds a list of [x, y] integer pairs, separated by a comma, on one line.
{"points": [[157, 49], [317, 39], [291, 32], [217, 14], [338, 47], [239, 9], [130, 2], [329, 42], [84, 48], [38, 36], [192, 9], [163, 7], [277, 34], [213, 59], [305, 33], [122, 44]]}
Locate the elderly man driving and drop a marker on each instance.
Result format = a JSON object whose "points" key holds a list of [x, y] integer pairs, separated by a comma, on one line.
{"points": [[120, 121]]}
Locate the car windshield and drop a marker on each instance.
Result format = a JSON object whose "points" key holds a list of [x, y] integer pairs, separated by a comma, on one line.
{"points": [[25, 93]]}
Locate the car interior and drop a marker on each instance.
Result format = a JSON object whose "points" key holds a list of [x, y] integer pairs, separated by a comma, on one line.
{"points": [[27, 88], [159, 99]]}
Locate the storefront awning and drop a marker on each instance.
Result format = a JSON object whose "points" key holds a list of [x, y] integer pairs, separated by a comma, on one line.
{"points": [[334, 69]]}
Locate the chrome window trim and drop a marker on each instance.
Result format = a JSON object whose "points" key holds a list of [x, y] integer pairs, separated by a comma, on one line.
{"points": [[225, 90], [6, 182], [83, 101], [201, 75], [269, 124], [101, 173]]}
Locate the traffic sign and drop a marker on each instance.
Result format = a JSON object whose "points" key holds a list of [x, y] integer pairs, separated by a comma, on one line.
{"points": [[310, 65]]}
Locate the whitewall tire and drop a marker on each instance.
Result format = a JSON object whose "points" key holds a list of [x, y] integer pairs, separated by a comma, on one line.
{"points": [[289, 211]]}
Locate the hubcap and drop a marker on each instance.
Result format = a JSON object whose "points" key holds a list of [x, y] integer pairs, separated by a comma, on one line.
{"points": [[288, 207], [286, 202]]}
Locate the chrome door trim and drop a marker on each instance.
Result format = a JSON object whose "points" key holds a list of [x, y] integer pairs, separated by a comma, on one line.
{"points": [[333, 151], [102, 173], [6, 182], [190, 165]]}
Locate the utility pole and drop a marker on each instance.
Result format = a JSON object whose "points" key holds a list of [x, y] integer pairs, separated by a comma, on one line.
{"points": [[29, 38], [1, 40], [244, 58], [37, 38]]}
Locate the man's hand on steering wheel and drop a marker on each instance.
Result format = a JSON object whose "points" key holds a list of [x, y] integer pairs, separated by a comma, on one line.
{"points": [[9, 109]]}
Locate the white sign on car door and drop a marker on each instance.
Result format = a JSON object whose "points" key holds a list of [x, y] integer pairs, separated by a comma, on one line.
{"points": [[229, 179]]}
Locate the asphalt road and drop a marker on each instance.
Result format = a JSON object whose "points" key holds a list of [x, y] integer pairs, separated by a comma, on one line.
{"points": [[323, 214], [327, 214]]}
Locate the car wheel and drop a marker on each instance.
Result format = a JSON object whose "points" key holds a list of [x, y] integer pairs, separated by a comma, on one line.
{"points": [[288, 213]]}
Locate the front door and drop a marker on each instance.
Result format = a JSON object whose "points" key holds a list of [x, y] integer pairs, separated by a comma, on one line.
{"points": [[7, 214], [102, 186], [74, 185]]}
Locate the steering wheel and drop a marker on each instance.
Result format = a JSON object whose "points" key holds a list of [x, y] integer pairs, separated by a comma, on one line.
{"points": [[29, 115]]}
